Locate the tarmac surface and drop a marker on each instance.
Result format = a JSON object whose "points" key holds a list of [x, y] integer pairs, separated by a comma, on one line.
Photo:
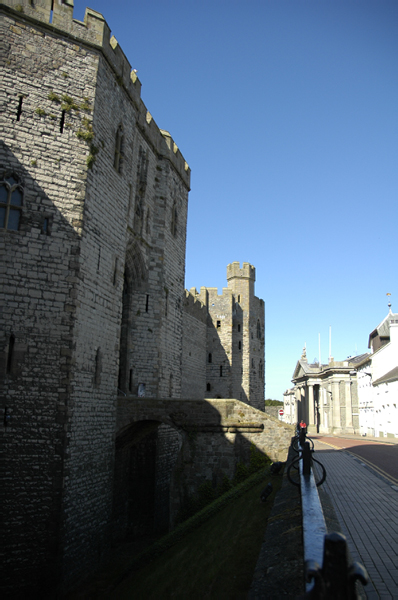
{"points": [[365, 499]]}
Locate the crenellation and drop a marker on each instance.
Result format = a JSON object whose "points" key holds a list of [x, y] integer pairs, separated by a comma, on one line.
{"points": [[96, 33]]}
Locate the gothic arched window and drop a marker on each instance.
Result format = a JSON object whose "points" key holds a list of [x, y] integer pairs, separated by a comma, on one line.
{"points": [[11, 196]]}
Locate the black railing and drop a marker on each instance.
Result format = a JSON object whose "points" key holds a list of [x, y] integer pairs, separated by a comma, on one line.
{"points": [[328, 572]]}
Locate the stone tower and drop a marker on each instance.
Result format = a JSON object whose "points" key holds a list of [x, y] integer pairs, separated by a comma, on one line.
{"points": [[228, 355], [247, 334], [93, 208]]}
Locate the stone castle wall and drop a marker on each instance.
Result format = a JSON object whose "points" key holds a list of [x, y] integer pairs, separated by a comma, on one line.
{"points": [[194, 347], [92, 275]]}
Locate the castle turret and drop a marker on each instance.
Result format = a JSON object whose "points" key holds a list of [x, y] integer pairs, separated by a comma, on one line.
{"points": [[241, 281]]}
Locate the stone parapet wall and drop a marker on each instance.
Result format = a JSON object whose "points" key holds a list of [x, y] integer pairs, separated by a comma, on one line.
{"points": [[226, 416], [215, 434]]}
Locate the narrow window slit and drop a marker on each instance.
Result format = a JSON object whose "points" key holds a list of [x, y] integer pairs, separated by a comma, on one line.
{"points": [[115, 272], [62, 123], [11, 345], [147, 303], [19, 111], [131, 380]]}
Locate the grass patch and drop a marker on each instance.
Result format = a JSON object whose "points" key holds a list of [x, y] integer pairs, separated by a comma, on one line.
{"points": [[215, 560]]}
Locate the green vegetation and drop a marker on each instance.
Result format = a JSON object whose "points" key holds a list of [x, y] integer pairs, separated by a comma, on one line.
{"points": [[87, 133], [85, 105], [69, 104], [92, 157], [216, 560], [54, 98], [39, 111], [270, 402], [212, 555]]}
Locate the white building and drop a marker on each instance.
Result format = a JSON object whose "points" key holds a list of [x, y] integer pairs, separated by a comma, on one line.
{"points": [[378, 381], [289, 407]]}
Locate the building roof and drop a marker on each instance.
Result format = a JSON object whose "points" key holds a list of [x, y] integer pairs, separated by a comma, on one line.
{"points": [[383, 329], [388, 377], [303, 369], [356, 361]]}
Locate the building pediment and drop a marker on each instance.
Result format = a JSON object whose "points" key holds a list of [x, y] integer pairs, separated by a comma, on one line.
{"points": [[303, 369], [298, 371]]}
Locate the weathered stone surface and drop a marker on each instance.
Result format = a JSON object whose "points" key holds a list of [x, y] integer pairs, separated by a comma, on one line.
{"points": [[215, 436], [83, 280], [226, 358]]}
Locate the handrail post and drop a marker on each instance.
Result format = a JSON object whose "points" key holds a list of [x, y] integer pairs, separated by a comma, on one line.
{"points": [[307, 462]]}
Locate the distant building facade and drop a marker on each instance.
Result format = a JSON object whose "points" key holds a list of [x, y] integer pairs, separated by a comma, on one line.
{"points": [[326, 395], [290, 414]]}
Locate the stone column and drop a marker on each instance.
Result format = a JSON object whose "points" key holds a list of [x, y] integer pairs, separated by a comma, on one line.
{"points": [[297, 394], [348, 406], [303, 412], [311, 417], [336, 418]]}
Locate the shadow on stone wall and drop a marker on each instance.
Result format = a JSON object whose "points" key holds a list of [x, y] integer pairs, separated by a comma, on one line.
{"points": [[40, 265], [166, 449]]}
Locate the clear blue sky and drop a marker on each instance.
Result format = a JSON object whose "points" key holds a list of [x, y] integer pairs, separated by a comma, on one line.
{"points": [[287, 113]]}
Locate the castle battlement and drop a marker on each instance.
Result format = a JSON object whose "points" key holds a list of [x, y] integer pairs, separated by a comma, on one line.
{"points": [[95, 32], [194, 306], [213, 293], [247, 271]]}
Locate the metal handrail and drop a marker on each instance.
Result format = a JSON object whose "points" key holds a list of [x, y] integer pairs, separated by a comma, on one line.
{"points": [[328, 573]]}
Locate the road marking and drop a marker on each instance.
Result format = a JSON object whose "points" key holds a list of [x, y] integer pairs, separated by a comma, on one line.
{"points": [[390, 478], [372, 466]]}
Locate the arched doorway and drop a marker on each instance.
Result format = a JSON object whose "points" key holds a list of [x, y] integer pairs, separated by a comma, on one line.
{"points": [[145, 457], [134, 286]]}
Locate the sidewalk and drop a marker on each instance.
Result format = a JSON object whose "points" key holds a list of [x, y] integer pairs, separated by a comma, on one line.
{"points": [[366, 505]]}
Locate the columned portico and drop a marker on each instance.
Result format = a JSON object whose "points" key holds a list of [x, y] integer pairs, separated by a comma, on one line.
{"points": [[327, 395]]}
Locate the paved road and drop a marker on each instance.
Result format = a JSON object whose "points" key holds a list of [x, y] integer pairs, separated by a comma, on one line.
{"points": [[383, 457], [366, 504]]}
